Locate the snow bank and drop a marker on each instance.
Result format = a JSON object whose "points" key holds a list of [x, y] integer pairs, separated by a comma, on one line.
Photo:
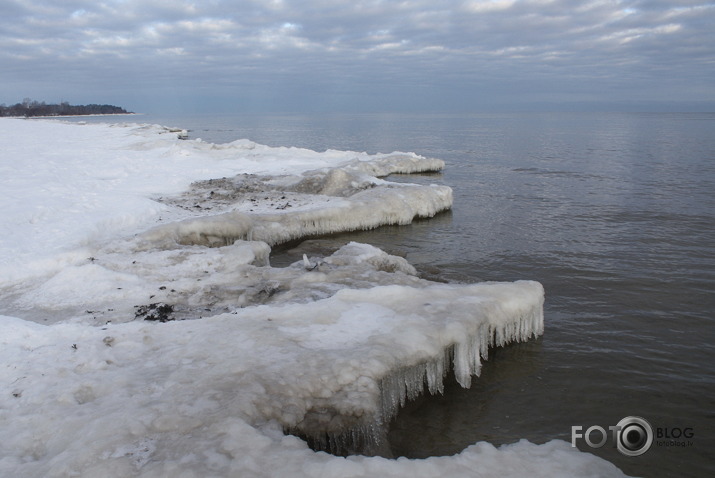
{"points": [[107, 227]]}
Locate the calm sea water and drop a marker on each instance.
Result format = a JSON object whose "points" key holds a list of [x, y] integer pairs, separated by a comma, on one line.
{"points": [[613, 213]]}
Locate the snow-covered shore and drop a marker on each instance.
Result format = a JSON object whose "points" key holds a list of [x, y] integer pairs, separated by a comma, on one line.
{"points": [[101, 222]]}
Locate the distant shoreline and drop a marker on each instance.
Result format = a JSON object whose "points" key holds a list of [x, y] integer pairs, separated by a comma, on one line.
{"points": [[32, 108], [75, 116]]}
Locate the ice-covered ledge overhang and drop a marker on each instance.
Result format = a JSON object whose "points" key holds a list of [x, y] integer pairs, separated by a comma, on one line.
{"points": [[406, 341], [277, 209], [336, 368]]}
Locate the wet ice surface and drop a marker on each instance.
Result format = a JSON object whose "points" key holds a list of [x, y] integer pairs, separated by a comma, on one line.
{"points": [[235, 352]]}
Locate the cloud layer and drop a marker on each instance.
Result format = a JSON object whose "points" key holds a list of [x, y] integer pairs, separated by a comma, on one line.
{"points": [[372, 55]]}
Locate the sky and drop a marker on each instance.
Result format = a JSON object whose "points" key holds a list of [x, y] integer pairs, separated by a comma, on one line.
{"points": [[360, 56]]}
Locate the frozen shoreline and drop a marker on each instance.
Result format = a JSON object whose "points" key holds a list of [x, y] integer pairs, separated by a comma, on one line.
{"points": [[102, 220]]}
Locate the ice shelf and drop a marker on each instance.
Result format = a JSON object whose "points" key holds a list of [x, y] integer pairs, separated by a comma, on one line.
{"points": [[465, 325], [130, 348], [337, 368], [277, 209]]}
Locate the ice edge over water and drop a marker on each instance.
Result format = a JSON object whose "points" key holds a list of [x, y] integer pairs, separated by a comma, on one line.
{"points": [[464, 357], [336, 354], [362, 211], [337, 199]]}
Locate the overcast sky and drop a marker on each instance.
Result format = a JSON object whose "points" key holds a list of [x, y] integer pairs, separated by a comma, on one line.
{"points": [[360, 56]]}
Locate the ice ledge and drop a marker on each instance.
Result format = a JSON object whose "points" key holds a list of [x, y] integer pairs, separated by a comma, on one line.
{"points": [[463, 322], [333, 369], [362, 211], [277, 209], [376, 207]]}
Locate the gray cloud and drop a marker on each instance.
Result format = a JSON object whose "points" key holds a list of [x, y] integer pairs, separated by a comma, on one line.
{"points": [[359, 54]]}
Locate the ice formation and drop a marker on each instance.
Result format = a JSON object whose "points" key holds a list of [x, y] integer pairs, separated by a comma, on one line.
{"points": [[94, 240], [278, 209], [325, 368]]}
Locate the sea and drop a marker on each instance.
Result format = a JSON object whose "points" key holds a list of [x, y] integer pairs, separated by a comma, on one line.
{"points": [[614, 213]]}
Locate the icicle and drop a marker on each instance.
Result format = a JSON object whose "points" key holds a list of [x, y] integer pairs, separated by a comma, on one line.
{"points": [[496, 326], [466, 356], [365, 210], [366, 438], [435, 373]]}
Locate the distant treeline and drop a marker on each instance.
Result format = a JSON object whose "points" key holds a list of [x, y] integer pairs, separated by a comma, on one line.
{"points": [[39, 108]]}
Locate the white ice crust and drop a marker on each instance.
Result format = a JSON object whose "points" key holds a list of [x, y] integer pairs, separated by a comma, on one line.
{"points": [[98, 219]]}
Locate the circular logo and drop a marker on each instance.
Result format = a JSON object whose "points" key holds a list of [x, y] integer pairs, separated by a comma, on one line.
{"points": [[634, 437]]}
